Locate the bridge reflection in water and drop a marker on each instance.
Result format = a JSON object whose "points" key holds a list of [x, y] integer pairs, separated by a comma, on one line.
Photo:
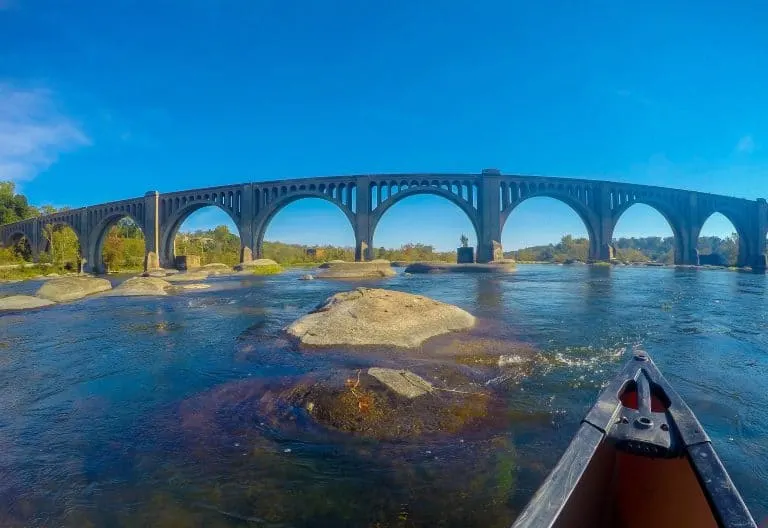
{"points": [[487, 199]]}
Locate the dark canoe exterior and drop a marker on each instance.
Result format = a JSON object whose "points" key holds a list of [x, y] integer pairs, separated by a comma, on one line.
{"points": [[639, 459]]}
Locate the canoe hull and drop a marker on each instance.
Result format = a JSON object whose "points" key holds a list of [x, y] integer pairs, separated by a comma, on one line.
{"points": [[640, 458]]}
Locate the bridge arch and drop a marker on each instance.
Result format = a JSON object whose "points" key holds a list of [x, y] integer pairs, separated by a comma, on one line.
{"points": [[343, 196], [587, 216], [175, 211], [459, 193], [681, 239], [98, 234], [48, 228], [745, 244], [15, 237]]}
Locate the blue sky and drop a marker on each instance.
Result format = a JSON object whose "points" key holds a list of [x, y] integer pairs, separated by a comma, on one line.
{"points": [[106, 100]]}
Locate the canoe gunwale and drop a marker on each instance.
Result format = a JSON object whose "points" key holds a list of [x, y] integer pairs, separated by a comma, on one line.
{"points": [[595, 435]]}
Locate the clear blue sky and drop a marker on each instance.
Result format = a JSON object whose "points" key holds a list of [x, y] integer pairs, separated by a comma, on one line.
{"points": [[105, 100]]}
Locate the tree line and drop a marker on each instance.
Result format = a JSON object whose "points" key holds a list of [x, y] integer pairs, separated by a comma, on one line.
{"points": [[712, 249]]}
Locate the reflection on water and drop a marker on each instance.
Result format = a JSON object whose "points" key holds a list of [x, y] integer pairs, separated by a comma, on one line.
{"points": [[173, 411]]}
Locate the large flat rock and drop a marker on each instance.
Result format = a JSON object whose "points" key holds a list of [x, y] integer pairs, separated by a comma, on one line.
{"points": [[72, 288], [138, 286], [188, 276], [23, 302], [368, 316], [376, 269], [402, 382]]}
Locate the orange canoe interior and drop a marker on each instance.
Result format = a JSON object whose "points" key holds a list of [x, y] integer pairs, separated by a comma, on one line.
{"points": [[623, 490]]}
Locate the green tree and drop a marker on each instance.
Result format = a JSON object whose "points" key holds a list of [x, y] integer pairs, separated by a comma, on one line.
{"points": [[13, 207]]}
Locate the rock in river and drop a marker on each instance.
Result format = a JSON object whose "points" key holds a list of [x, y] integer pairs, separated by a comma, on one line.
{"points": [[356, 270], [23, 302], [368, 316], [72, 288], [217, 268], [364, 405], [189, 276], [403, 382], [142, 286], [259, 267]]}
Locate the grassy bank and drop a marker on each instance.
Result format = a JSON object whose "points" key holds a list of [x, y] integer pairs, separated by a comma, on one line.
{"points": [[24, 272]]}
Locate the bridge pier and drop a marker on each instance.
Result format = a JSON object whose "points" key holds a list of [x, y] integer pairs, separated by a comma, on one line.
{"points": [[151, 231], [602, 227], [489, 247], [363, 228]]}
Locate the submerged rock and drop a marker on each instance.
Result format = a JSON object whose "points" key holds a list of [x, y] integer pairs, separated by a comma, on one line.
{"points": [[355, 270], [307, 277], [367, 316], [364, 405], [194, 286], [142, 286], [72, 288], [23, 302]]}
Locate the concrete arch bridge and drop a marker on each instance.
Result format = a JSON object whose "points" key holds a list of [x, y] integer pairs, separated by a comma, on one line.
{"points": [[486, 198]]}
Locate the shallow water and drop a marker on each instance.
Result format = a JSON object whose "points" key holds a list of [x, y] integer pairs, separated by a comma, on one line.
{"points": [[129, 411]]}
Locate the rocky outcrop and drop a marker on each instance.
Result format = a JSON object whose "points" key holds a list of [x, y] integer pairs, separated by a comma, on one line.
{"points": [[189, 276], [355, 270], [72, 288], [23, 302], [367, 316], [217, 268], [259, 267], [443, 267], [142, 286]]}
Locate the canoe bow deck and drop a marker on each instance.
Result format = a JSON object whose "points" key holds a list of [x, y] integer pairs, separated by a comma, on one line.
{"points": [[639, 459]]}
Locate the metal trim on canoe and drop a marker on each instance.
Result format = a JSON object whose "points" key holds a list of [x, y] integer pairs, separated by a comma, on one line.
{"points": [[657, 424]]}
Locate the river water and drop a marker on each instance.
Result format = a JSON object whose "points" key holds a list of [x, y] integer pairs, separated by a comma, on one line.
{"points": [[134, 412]]}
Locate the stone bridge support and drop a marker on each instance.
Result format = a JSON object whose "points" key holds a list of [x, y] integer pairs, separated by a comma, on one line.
{"points": [[151, 231], [363, 227], [489, 240]]}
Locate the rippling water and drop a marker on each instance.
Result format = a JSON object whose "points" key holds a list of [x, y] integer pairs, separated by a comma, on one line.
{"points": [[130, 411]]}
